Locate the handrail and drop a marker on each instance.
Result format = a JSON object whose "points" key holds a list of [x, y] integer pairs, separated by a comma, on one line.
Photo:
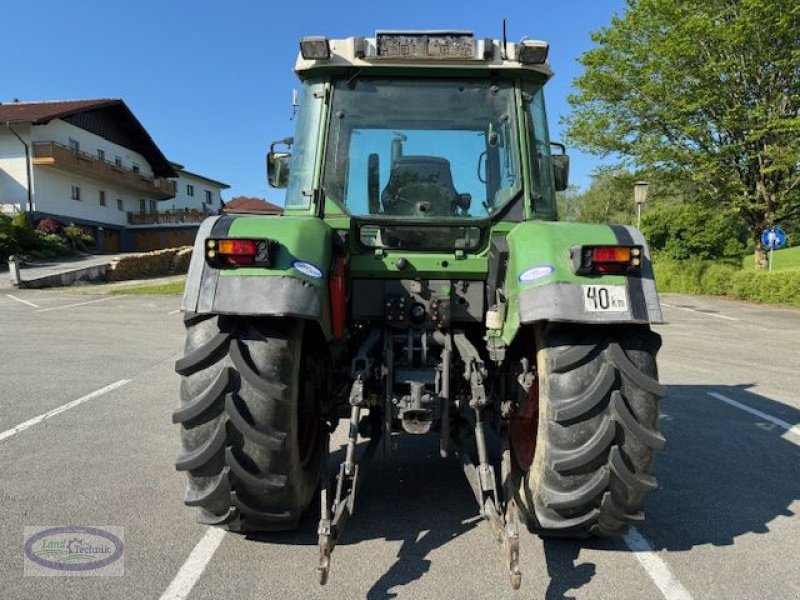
{"points": [[64, 156]]}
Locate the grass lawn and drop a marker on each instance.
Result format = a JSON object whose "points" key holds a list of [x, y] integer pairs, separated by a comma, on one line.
{"points": [[173, 288], [785, 258]]}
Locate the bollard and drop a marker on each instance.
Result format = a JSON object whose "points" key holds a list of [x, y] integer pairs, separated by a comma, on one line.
{"points": [[13, 271]]}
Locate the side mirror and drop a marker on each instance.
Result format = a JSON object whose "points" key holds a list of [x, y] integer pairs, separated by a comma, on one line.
{"points": [[560, 168], [278, 164], [278, 169]]}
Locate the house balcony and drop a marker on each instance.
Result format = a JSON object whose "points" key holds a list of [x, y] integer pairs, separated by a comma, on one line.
{"points": [[168, 217], [80, 163]]}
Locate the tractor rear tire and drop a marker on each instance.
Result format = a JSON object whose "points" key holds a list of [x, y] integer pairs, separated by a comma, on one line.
{"points": [[250, 425], [598, 430]]}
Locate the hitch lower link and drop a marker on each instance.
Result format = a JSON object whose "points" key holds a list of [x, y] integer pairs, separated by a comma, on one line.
{"points": [[503, 523], [481, 475], [334, 516]]}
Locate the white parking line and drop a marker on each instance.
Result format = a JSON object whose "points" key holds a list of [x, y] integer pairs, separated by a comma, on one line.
{"points": [[793, 429], [193, 568], [174, 312], [80, 303], [726, 317], [657, 569], [35, 420], [23, 301], [699, 312]]}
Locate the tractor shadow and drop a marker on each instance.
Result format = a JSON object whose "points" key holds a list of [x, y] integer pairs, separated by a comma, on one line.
{"points": [[417, 498], [724, 472]]}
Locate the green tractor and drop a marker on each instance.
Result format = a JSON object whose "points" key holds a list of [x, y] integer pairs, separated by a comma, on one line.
{"points": [[419, 283]]}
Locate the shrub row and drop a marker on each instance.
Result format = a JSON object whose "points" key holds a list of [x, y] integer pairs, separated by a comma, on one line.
{"points": [[48, 239], [724, 279], [151, 264]]}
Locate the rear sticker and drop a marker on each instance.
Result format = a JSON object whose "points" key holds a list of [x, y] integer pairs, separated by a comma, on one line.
{"points": [[537, 272], [605, 298], [307, 269]]}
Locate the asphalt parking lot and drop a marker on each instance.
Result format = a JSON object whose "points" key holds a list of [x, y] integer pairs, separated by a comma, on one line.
{"points": [[723, 524]]}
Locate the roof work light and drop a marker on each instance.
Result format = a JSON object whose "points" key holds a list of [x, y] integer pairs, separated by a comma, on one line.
{"points": [[532, 52], [315, 47]]}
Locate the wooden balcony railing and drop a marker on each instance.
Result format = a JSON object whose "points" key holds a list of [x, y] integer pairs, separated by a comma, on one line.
{"points": [[61, 157], [168, 217]]}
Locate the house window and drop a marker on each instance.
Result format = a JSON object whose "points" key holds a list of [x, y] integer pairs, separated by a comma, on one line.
{"points": [[142, 206], [119, 203], [153, 207], [102, 198], [74, 145], [76, 192], [208, 197], [135, 168], [117, 161], [101, 154], [189, 190]]}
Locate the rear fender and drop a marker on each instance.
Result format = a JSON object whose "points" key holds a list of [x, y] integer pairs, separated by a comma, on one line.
{"points": [[296, 286], [541, 285]]}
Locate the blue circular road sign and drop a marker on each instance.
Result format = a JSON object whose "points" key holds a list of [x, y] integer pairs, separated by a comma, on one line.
{"points": [[773, 238]]}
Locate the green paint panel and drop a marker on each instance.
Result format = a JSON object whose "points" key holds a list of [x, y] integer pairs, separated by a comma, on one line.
{"points": [[536, 243], [547, 244], [306, 239], [419, 265]]}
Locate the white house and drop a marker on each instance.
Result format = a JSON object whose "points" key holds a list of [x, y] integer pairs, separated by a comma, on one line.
{"points": [[176, 221], [92, 163], [195, 192]]}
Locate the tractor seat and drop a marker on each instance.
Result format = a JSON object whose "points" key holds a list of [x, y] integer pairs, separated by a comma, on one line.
{"points": [[420, 185]]}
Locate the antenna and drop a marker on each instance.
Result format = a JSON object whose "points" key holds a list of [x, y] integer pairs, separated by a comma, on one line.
{"points": [[504, 52], [295, 104]]}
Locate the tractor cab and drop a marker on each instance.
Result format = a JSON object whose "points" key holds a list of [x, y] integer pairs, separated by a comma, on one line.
{"points": [[422, 128]]}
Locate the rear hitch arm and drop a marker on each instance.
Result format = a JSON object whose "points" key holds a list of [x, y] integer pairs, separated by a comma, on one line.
{"points": [[334, 516], [480, 474]]}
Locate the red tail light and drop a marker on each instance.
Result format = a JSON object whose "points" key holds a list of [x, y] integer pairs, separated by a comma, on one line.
{"points": [[226, 253], [602, 260]]}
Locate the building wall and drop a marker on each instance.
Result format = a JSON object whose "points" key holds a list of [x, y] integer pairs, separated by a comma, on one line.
{"points": [[13, 177], [60, 132], [52, 188], [145, 240], [183, 200], [54, 196]]}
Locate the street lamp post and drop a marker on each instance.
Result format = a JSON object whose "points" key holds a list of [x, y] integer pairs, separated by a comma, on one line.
{"points": [[640, 189]]}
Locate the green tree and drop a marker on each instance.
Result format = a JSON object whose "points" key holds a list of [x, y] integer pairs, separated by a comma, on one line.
{"points": [[687, 230], [609, 199], [707, 91], [569, 203]]}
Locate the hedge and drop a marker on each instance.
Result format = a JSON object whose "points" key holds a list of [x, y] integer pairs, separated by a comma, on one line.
{"points": [[724, 279]]}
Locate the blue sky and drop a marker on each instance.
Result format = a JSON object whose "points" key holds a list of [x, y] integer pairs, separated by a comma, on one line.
{"points": [[212, 81]]}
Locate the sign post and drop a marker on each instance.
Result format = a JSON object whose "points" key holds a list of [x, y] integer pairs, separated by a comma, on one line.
{"points": [[640, 197], [773, 238]]}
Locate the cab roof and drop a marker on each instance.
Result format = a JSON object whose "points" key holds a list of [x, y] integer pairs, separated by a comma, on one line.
{"points": [[466, 53]]}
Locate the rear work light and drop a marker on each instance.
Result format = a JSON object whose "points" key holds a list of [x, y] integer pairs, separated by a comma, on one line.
{"points": [[232, 252], [606, 260]]}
